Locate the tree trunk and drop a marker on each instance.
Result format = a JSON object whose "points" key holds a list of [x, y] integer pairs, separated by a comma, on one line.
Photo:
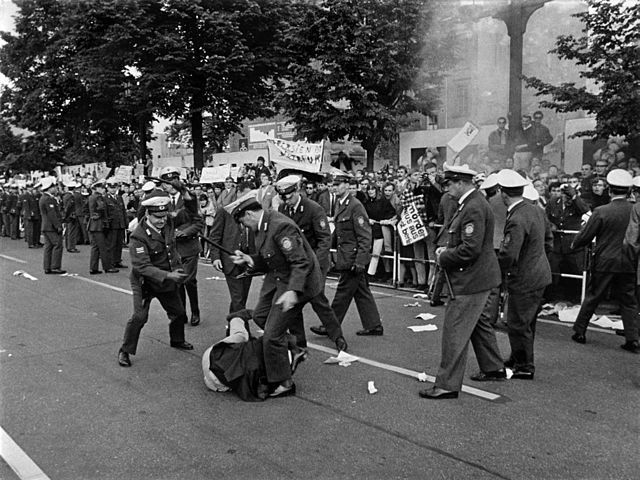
{"points": [[143, 126], [196, 133]]}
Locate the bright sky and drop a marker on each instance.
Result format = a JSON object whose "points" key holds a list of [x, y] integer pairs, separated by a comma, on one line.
{"points": [[7, 10]]}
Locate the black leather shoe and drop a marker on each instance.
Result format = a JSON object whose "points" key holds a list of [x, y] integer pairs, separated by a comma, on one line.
{"points": [[579, 338], [619, 331], [341, 344], [522, 375], [56, 271], [298, 356], [497, 375], [436, 303], [47, 272], [120, 265], [284, 391], [195, 319], [123, 359], [436, 393], [375, 331], [633, 347], [319, 330], [182, 345], [112, 270], [95, 272]]}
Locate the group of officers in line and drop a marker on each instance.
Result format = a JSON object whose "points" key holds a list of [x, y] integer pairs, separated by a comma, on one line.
{"points": [[290, 248]]}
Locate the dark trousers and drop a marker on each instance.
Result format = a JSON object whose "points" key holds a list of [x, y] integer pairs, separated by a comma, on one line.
{"points": [[275, 324], [6, 225], [320, 305], [14, 226], [99, 252], [492, 307], [239, 292], [83, 237], [190, 286], [114, 238], [355, 286], [171, 303], [72, 234], [622, 289], [565, 288], [32, 231], [463, 322], [522, 313], [52, 254]]}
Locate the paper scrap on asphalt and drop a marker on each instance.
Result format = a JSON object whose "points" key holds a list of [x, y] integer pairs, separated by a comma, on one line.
{"points": [[605, 322], [569, 314], [420, 295], [343, 359], [424, 328], [417, 304], [426, 316], [371, 387], [509, 373], [69, 275], [22, 273], [214, 278], [422, 377]]}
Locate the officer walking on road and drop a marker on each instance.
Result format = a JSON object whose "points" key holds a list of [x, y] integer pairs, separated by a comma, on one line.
{"points": [[613, 261], [98, 224], [472, 267], [525, 267], [51, 226], [156, 272]]}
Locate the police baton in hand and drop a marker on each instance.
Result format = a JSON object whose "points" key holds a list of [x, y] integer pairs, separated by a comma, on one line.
{"points": [[217, 245]]}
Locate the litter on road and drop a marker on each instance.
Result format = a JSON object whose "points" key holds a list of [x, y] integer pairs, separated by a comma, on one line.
{"points": [[22, 273], [423, 328], [426, 316]]}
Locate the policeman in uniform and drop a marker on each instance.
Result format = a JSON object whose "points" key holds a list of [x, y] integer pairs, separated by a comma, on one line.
{"points": [[70, 218], [98, 223], [525, 267], [117, 215], [32, 218], [13, 209], [352, 236], [51, 226], [156, 272], [293, 277], [472, 267], [313, 223], [613, 261], [188, 224]]}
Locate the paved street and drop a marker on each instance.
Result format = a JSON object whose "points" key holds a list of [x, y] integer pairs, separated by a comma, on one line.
{"points": [[78, 415]]}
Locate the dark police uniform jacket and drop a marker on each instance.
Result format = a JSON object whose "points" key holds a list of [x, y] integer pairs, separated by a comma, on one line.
{"points": [[30, 207], [313, 223], [97, 213], [68, 207], [189, 221], [608, 225], [352, 235], [469, 258], [116, 213], [284, 253], [50, 211], [522, 253], [153, 256], [230, 235]]}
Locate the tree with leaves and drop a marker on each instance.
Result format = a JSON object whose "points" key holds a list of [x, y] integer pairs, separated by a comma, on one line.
{"points": [[359, 65], [608, 54]]}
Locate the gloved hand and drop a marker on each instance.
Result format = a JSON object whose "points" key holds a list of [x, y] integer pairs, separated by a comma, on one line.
{"points": [[358, 268]]}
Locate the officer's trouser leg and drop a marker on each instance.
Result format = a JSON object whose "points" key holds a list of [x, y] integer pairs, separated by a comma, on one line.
{"points": [[190, 286], [521, 324], [141, 303], [346, 289], [490, 311], [47, 251], [28, 232], [37, 231], [321, 306], [15, 226], [460, 319], [274, 342], [239, 292], [171, 303], [485, 346], [623, 289], [596, 290], [366, 304]]}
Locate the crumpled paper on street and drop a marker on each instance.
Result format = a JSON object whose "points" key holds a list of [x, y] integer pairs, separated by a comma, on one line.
{"points": [[416, 304], [214, 278], [69, 275], [569, 315], [420, 295], [605, 322], [371, 387], [423, 328], [343, 359], [426, 316], [22, 273]]}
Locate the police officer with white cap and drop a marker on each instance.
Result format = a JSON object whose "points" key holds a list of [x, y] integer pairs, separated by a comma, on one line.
{"points": [[613, 261], [312, 220], [156, 272], [98, 224], [51, 226], [70, 218], [525, 269], [472, 267]]}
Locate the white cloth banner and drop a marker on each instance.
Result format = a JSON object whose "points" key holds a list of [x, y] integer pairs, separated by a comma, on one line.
{"points": [[411, 228], [464, 137], [215, 174], [303, 156], [123, 174]]}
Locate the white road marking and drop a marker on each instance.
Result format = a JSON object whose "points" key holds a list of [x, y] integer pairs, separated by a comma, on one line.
{"points": [[101, 284], [12, 258], [410, 373], [18, 460]]}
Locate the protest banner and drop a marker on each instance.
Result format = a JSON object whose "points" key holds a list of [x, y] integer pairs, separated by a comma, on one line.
{"points": [[303, 156], [411, 228], [214, 174], [123, 174], [464, 137]]}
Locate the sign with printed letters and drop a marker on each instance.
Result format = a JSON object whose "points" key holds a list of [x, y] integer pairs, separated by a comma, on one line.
{"points": [[303, 156], [464, 137], [411, 228]]}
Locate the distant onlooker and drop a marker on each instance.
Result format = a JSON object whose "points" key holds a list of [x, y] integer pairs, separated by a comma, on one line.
{"points": [[500, 142]]}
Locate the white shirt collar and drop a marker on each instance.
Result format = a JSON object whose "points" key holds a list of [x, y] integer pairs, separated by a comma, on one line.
{"points": [[510, 207], [260, 220], [463, 197]]}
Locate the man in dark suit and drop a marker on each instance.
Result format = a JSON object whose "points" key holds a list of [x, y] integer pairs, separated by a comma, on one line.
{"points": [[472, 267], [117, 217], [70, 218], [500, 142], [613, 261], [13, 209], [188, 224], [524, 264], [32, 217], [98, 223], [313, 223], [293, 277], [232, 236], [353, 241], [51, 226]]}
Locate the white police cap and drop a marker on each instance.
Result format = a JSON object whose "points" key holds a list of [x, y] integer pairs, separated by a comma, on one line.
{"points": [[47, 182], [490, 181], [508, 178], [170, 172], [636, 181], [288, 184], [458, 172], [530, 193], [619, 178], [147, 187], [157, 204]]}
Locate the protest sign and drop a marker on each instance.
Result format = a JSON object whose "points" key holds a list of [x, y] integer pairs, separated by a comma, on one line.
{"points": [[303, 156], [123, 174], [214, 174], [464, 137], [411, 228]]}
